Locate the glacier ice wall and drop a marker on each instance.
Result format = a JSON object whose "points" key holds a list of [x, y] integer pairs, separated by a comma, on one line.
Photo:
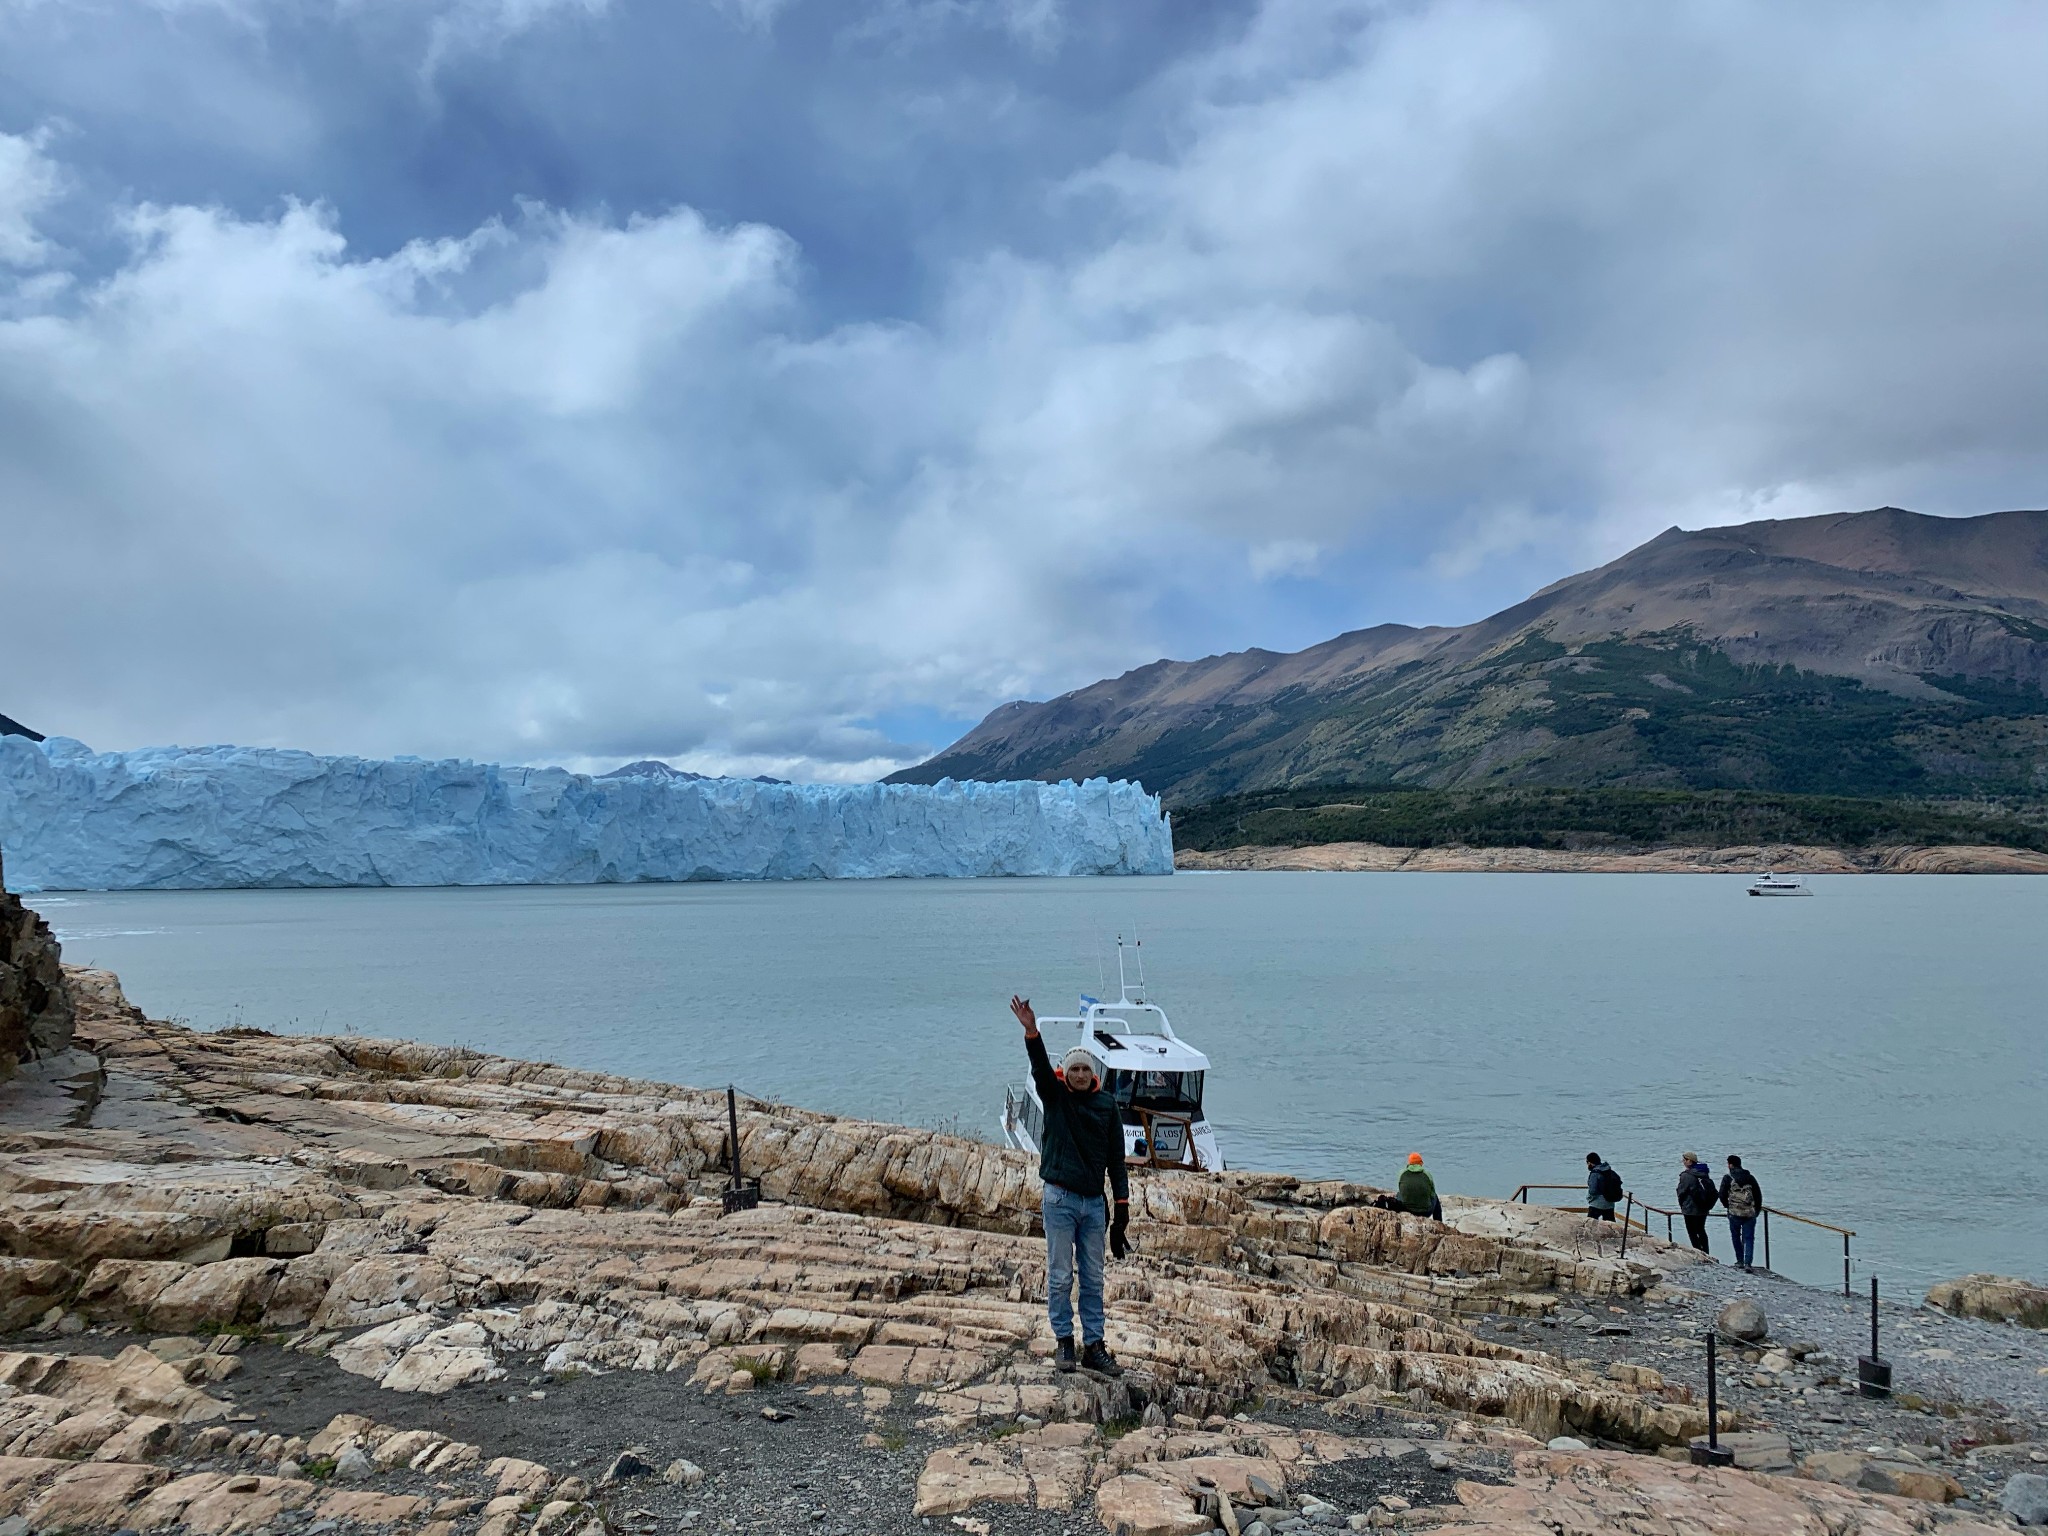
{"points": [[208, 817]]}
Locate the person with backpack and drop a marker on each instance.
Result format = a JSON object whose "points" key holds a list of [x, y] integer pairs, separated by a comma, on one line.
{"points": [[1696, 1198], [1603, 1188], [1743, 1198], [1417, 1190]]}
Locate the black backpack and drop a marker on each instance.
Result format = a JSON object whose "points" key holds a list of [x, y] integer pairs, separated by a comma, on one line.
{"points": [[1610, 1184]]}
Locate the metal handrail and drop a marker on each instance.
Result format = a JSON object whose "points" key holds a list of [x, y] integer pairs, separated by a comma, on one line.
{"points": [[1763, 1215]]}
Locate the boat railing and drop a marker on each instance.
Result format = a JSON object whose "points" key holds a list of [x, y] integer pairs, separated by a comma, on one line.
{"points": [[1628, 1219]]}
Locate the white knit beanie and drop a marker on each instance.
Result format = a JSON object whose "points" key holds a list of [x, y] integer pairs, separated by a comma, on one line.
{"points": [[1080, 1055]]}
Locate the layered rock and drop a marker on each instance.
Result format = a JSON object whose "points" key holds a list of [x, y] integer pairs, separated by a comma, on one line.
{"points": [[1996, 1298], [432, 1219], [35, 1005]]}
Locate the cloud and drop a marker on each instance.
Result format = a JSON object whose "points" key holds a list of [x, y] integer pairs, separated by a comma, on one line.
{"points": [[28, 184], [1338, 313]]}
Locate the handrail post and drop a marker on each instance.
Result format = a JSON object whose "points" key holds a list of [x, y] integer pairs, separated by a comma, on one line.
{"points": [[1628, 1215], [1845, 1263], [1767, 1238]]}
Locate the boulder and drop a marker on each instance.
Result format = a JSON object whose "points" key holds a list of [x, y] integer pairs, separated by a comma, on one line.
{"points": [[30, 1287], [1743, 1320], [1997, 1298], [2025, 1498], [1136, 1505], [1909, 1480]]}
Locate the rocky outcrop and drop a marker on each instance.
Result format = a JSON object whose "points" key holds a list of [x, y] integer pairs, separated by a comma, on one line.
{"points": [[1996, 1298], [35, 1006], [446, 1224]]}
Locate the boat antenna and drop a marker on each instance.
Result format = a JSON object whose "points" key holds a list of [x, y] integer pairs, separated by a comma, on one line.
{"points": [[1101, 975]]}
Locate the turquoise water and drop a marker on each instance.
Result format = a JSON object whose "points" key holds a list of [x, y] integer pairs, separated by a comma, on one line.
{"points": [[1875, 1053]]}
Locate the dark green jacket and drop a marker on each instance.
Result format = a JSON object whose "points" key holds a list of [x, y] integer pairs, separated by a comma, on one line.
{"points": [[1417, 1190], [1084, 1134]]}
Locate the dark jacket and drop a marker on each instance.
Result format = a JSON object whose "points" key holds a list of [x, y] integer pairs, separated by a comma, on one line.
{"points": [[1696, 1194], [1595, 1200], [1742, 1178], [1417, 1190], [1084, 1134]]}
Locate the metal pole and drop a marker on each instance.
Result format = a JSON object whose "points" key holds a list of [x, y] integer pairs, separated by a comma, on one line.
{"points": [[1712, 1453], [732, 1120], [1628, 1215], [1873, 1319], [1767, 1237], [1845, 1263], [1713, 1399]]}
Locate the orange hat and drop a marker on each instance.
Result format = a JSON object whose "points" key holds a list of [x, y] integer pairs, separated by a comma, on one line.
{"points": [[1415, 1158]]}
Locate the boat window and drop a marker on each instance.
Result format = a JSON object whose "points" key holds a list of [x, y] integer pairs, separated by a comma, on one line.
{"points": [[1177, 1093]]}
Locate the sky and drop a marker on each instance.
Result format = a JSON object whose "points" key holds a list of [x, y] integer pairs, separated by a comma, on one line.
{"points": [[775, 386]]}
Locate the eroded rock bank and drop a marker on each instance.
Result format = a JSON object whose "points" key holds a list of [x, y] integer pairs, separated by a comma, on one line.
{"points": [[1785, 858], [398, 1225]]}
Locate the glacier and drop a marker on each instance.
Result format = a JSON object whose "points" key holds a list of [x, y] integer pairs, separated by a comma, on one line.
{"points": [[194, 818]]}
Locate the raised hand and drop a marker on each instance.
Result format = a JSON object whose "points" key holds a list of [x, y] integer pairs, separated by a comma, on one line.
{"points": [[1021, 1007]]}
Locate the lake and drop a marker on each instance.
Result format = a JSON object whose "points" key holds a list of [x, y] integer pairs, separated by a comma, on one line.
{"points": [[1875, 1053]]}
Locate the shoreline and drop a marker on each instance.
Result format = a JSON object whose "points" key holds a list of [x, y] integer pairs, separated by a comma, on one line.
{"points": [[300, 1283], [1798, 859]]}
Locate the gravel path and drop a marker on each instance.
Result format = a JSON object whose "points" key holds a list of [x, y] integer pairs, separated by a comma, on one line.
{"points": [[1934, 1356]]}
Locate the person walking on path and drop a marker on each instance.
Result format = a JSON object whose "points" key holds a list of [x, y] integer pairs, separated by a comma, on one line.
{"points": [[1417, 1190], [1696, 1198], [1603, 1188], [1742, 1197], [1082, 1141]]}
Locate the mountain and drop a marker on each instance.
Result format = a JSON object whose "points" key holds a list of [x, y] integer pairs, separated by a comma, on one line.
{"points": [[16, 728], [1881, 652], [655, 768]]}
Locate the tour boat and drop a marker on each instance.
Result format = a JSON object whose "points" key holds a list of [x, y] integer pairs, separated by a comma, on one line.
{"points": [[1778, 885], [1155, 1075]]}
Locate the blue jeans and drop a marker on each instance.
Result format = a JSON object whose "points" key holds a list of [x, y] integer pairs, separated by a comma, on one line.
{"points": [[1075, 1227], [1742, 1232]]}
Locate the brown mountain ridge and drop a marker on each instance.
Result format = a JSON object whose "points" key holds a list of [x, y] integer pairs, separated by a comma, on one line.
{"points": [[1882, 652]]}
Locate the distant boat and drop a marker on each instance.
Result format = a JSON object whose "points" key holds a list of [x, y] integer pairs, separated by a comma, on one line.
{"points": [[1778, 885]]}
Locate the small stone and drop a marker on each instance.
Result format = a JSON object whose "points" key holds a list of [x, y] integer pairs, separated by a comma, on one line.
{"points": [[572, 1490], [289, 1468], [1565, 1443], [740, 1381], [683, 1473], [1256, 1528], [1439, 1461], [628, 1463], [776, 1415], [14, 1525], [2025, 1498], [1393, 1502], [352, 1466]]}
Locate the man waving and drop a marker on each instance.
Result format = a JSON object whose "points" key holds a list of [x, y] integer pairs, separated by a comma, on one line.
{"points": [[1083, 1139]]}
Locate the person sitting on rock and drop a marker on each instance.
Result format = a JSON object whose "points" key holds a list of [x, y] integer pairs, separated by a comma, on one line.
{"points": [[1417, 1190], [1742, 1197], [1696, 1197], [1603, 1188], [1082, 1141]]}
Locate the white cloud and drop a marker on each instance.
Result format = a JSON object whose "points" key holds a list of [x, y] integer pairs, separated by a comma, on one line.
{"points": [[1445, 290], [28, 184]]}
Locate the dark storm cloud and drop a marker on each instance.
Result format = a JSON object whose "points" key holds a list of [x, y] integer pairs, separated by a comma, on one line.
{"points": [[758, 383]]}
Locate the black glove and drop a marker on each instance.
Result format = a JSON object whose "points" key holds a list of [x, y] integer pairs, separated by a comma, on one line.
{"points": [[1119, 1245]]}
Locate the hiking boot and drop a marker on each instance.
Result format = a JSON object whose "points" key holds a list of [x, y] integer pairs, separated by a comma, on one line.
{"points": [[1064, 1361], [1097, 1358]]}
